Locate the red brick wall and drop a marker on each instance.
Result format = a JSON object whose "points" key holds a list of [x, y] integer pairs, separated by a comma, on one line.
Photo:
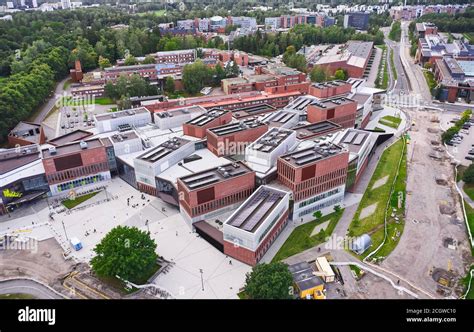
{"points": [[214, 142], [200, 131], [146, 189], [328, 92], [344, 115], [89, 157], [250, 257]]}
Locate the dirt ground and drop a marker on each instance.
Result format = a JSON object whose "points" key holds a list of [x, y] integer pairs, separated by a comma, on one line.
{"points": [[421, 248]]}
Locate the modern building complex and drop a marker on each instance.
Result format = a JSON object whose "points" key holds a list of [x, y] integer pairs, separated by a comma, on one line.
{"points": [[456, 79], [177, 117], [413, 12], [330, 89], [76, 167], [26, 133], [255, 225], [289, 21], [316, 176], [202, 194]]}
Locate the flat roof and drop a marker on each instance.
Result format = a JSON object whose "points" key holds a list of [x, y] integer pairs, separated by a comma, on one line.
{"points": [[301, 103], [120, 114], [329, 84], [467, 67], [71, 148], [280, 117], [27, 130], [332, 102], [252, 110], [253, 212], [353, 139], [214, 175], [133, 67], [232, 128], [11, 159], [207, 117], [312, 154], [270, 140], [163, 149], [303, 276], [181, 111], [72, 136], [124, 136], [315, 129]]}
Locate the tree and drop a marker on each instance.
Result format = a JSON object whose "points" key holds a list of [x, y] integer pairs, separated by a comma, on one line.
{"points": [[104, 62], [196, 76], [126, 252], [318, 215], [269, 281], [149, 60], [318, 74], [130, 61], [169, 85], [340, 74], [468, 175]]}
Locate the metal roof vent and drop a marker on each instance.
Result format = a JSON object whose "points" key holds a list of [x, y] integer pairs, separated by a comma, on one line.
{"points": [[83, 145], [52, 150]]}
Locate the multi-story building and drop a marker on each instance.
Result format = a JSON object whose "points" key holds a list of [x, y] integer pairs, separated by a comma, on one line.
{"points": [[217, 189], [330, 89], [425, 28], [155, 161], [85, 90], [180, 56], [26, 133], [316, 175], [233, 138], [198, 126], [289, 21], [432, 47], [122, 120], [339, 110], [352, 57], [262, 154], [126, 143], [76, 167], [255, 225], [455, 78], [146, 71], [313, 130], [22, 177], [359, 21], [281, 119]]}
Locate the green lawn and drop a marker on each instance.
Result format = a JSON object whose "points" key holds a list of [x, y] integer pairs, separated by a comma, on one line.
{"points": [[390, 121], [66, 84], [469, 190], [16, 296], [300, 239], [392, 65], [374, 223], [383, 69], [470, 216], [73, 203], [158, 13], [357, 270]]}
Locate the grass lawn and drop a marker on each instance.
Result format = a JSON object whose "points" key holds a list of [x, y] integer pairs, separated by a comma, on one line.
{"points": [[374, 223], [465, 281], [158, 13], [379, 129], [66, 84], [300, 239], [382, 82], [429, 76], [357, 270], [16, 296], [470, 216], [392, 65], [73, 203], [390, 121], [469, 190]]}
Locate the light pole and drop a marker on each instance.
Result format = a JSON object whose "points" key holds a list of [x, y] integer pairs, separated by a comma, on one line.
{"points": [[202, 280], [64, 227]]}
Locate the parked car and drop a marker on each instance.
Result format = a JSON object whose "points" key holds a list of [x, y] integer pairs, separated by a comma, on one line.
{"points": [[470, 158], [471, 152]]}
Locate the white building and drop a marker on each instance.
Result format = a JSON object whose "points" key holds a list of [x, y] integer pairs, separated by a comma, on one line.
{"points": [[122, 120], [126, 142], [66, 4], [176, 117]]}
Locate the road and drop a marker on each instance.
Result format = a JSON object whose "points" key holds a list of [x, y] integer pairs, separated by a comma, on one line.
{"points": [[26, 286], [46, 108]]}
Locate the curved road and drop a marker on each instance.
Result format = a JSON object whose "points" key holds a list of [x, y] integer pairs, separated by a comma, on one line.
{"points": [[28, 286]]}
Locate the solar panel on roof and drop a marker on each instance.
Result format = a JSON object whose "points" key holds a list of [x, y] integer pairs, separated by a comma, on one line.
{"points": [[286, 118], [249, 209], [159, 155], [279, 117], [203, 183], [302, 154], [350, 137], [148, 155], [198, 177], [359, 139], [265, 207], [308, 159]]}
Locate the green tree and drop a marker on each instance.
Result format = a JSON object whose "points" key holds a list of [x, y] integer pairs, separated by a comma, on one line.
{"points": [[269, 281], [126, 252], [196, 76], [169, 85], [340, 75], [104, 62], [468, 175], [318, 215], [318, 74], [149, 60], [130, 61]]}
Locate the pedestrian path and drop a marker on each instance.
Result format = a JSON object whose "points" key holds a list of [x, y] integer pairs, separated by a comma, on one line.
{"points": [[465, 196]]}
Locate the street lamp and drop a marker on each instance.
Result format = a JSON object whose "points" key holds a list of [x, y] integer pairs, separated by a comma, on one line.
{"points": [[64, 227], [202, 280]]}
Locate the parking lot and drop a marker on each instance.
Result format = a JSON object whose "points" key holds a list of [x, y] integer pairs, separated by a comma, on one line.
{"points": [[462, 146]]}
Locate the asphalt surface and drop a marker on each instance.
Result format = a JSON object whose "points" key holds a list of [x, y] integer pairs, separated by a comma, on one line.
{"points": [[25, 286]]}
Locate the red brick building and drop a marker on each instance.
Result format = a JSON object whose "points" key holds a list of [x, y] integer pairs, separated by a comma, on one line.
{"points": [[329, 89], [145, 71], [214, 189], [233, 138], [26, 133], [198, 126], [316, 176], [78, 166], [338, 110], [255, 225], [76, 74]]}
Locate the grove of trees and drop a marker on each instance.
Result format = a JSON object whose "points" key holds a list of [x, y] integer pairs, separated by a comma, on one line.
{"points": [[269, 281]]}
